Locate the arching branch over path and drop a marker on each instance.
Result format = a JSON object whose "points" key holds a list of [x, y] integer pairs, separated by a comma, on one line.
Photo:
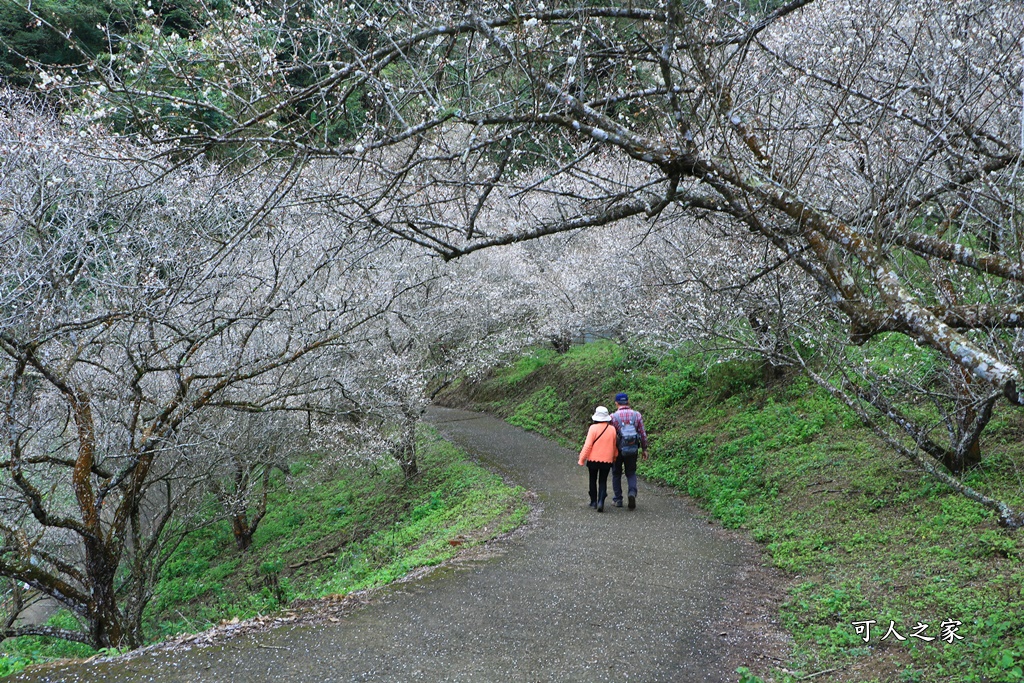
{"points": [[877, 145]]}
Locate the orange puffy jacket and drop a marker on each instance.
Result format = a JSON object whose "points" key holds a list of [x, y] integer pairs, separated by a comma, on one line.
{"points": [[601, 443]]}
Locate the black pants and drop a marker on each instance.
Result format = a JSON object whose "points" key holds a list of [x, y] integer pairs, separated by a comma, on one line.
{"points": [[625, 463], [598, 487]]}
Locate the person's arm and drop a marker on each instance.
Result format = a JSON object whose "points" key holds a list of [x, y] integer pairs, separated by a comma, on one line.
{"points": [[588, 446], [643, 436]]}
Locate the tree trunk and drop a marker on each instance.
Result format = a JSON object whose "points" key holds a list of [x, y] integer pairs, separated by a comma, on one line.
{"points": [[561, 343], [243, 520], [106, 623], [772, 371], [959, 462], [406, 453], [242, 531], [972, 457], [967, 453]]}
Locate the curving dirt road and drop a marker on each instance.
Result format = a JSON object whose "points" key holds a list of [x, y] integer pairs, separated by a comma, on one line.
{"points": [[581, 596]]}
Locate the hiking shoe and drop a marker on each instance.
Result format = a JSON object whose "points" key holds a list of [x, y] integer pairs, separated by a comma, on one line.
{"points": [[618, 503], [632, 503], [600, 506]]}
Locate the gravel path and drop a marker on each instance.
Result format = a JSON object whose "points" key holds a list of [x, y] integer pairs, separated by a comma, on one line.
{"points": [[581, 596]]}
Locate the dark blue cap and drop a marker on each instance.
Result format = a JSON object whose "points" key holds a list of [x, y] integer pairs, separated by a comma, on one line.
{"points": [[621, 398]]}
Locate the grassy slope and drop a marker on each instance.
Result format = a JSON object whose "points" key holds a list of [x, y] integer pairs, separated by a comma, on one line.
{"points": [[365, 527], [862, 535]]}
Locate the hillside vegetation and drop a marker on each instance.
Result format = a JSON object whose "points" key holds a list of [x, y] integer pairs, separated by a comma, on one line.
{"points": [[861, 534], [329, 530]]}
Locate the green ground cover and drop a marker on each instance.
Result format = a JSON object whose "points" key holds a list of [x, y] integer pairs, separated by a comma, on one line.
{"points": [[354, 527], [861, 535]]}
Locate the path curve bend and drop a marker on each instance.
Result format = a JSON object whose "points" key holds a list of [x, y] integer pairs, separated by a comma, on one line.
{"points": [[582, 596]]}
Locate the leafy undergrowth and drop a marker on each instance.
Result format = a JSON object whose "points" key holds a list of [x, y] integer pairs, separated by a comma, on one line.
{"points": [[363, 527], [863, 536], [21, 652]]}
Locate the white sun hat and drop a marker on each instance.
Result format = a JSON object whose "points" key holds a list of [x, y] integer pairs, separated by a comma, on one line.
{"points": [[601, 415]]}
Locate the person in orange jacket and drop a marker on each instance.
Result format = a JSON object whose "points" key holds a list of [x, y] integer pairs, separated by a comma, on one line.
{"points": [[598, 454]]}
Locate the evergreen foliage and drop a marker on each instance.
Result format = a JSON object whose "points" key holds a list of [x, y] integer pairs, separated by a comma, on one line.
{"points": [[25, 40]]}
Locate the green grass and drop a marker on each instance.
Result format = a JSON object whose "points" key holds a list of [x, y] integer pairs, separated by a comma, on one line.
{"points": [[361, 527], [364, 528], [542, 412], [862, 535], [21, 652], [525, 366]]}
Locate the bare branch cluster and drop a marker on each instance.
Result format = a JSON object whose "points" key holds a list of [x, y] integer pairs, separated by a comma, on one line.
{"points": [[149, 317]]}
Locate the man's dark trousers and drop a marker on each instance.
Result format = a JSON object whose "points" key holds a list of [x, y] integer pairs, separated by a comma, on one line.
{"points": [[627, 463]]}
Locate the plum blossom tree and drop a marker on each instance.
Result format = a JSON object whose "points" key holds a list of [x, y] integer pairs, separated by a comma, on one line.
{"points": [[145, 317], [875, 147], [728, 295], [443, 323], [564, 288], [247, 448]]}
